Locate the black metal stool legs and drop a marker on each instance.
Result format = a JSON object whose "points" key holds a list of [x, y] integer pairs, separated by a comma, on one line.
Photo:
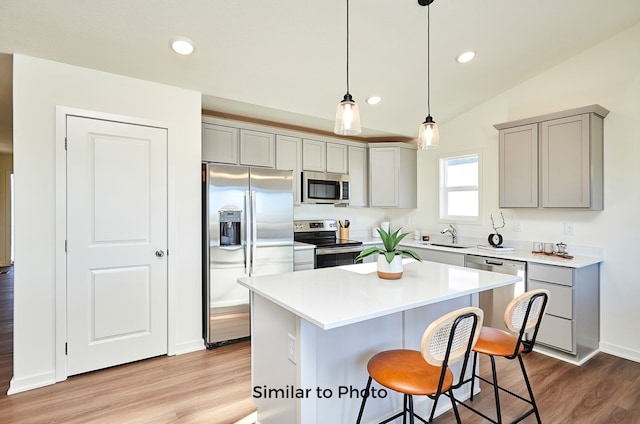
{"points": [[364, 400], [533, 401]]}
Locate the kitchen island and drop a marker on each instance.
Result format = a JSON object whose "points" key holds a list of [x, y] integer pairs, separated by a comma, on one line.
{"points": [[314, 331]]}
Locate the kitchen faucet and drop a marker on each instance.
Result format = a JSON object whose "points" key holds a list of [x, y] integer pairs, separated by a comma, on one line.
{"points": [[451, 230]]}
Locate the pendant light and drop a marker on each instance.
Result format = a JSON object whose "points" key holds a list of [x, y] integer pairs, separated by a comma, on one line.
{"points": [[347, 115], [428, 134]]}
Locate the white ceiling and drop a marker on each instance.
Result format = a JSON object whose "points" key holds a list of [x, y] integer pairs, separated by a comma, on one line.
{"points": [[284, 60]]}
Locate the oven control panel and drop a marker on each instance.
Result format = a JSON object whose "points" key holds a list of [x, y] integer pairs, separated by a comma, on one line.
{"points": [[315, 225]]}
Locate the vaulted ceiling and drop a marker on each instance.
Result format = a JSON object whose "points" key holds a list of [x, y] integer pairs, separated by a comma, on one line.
{"points": [[284, 60]]}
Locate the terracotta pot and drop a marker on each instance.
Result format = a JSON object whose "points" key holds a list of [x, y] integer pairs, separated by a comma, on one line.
{"points": [[390, 271]]}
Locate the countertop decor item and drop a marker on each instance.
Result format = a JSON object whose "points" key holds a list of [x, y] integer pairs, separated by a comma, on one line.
{"points": [[389, 256], [495, 239]]}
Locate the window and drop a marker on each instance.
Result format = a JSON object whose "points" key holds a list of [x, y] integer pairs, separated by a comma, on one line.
{"points": [[460, 188]]}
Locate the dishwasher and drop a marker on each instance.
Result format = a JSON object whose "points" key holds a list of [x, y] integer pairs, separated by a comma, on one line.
{"points": [[494, 302]]}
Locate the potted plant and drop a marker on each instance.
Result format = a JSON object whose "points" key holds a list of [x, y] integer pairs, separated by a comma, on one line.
{"points": [[389, 256]]}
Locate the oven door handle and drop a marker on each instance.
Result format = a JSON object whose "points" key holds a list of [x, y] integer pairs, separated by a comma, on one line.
{"points": [[332, 250]]}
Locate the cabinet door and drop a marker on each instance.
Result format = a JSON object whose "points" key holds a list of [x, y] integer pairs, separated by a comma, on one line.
{"points": [[384, 163], [219, 144], [358, 176], [257, 148], [303, 259], [289, 157], [518, 167], [337, 158], [565, 162], [314, 155]]}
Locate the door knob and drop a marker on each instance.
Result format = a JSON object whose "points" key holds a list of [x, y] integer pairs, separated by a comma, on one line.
{"points": [[160, 253]]}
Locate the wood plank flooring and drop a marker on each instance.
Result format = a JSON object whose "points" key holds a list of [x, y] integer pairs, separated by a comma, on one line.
{"points": [[200, 387], [214, 387]]}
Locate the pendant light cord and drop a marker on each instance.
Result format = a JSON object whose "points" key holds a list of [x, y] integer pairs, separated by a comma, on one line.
{"points": [[428, 61], [347, 46]]}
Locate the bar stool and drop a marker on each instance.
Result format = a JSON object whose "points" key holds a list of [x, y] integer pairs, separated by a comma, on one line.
{"points": [[522, 316], [426, 372]]}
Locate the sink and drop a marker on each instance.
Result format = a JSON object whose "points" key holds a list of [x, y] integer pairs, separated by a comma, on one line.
{"points": [[451, 245]]}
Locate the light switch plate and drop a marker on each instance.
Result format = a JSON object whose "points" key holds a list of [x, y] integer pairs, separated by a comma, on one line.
{"points": [[570, 229], [291, 348]]}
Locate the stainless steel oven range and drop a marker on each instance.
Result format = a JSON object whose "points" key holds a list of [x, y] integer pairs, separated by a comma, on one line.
{"points": [[330, 250]]}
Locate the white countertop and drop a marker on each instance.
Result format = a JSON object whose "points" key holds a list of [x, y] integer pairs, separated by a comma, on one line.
{"points": [[298, 245], [339, 296], [516, 255]]}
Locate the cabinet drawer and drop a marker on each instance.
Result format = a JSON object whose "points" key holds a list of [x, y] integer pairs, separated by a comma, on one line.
{"points": [[552, 274], [560, 298], [556, 332]]}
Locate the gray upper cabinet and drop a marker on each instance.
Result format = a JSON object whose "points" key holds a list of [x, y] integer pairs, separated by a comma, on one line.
{"points": [[392, 175], [572, 169], [553, 161], [324, 156], [314, 155], [257, 148], [337, 158], [219, 144], [518, 167], [289, 157], [358, 176]]}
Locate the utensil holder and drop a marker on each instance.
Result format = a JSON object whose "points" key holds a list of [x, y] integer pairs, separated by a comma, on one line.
{"points": [[343, 233]]}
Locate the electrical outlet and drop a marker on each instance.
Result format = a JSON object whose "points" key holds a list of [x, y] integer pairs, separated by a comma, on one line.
{"points": [[517, 226], [291, 348], [570, 229]]}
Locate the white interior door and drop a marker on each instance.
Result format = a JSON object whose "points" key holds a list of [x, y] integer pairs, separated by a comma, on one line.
{"points": [[116, 243]]}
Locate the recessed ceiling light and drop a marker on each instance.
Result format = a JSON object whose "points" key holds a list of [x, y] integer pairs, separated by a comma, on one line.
{"points": [[374, 100], [182, 45], [465, 57]]}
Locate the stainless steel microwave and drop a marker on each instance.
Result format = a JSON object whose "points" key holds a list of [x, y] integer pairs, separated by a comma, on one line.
{"points": [[324, 188]]}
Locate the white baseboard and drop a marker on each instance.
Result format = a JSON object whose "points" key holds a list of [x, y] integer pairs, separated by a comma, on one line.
{"points": [[562, 356], [622, 352], [19, 385], [249, 419], [191, 346]]}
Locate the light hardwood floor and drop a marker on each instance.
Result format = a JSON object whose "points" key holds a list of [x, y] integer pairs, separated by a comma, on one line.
{"points": [[214, 387], [200, 387]]}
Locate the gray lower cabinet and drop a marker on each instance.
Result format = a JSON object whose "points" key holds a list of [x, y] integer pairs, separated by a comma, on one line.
{"points": [[303, 259], [440, 256], [571, 323]]}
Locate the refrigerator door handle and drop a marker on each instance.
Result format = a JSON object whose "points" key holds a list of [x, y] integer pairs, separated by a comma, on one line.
{"points": [[254, 231], [248, 230]]}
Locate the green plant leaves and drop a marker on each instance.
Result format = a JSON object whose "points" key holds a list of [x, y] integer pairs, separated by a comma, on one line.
{"points": [[390, 242]]}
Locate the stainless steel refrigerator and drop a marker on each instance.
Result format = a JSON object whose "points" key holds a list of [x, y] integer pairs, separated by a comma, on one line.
{"points": [[247, 230]]}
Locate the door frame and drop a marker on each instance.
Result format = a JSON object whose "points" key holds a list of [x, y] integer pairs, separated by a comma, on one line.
{"points": [[61, 229]]}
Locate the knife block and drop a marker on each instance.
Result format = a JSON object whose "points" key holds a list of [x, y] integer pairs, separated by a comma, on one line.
{"points": [[343, 233]]}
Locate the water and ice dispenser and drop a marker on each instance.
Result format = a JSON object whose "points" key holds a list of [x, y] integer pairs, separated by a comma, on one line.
{"points": [[230, 221]]}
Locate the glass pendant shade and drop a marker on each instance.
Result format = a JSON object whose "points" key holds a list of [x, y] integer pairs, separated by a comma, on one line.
{"points": [[347, 117], [428, 134]]}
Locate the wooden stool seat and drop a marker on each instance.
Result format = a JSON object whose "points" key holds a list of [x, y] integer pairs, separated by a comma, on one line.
{"points": [[495, 342], [406, 371]]}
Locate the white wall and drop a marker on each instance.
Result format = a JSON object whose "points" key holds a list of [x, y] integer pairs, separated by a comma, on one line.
{"points": [[39, 86], [607, 74]]}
